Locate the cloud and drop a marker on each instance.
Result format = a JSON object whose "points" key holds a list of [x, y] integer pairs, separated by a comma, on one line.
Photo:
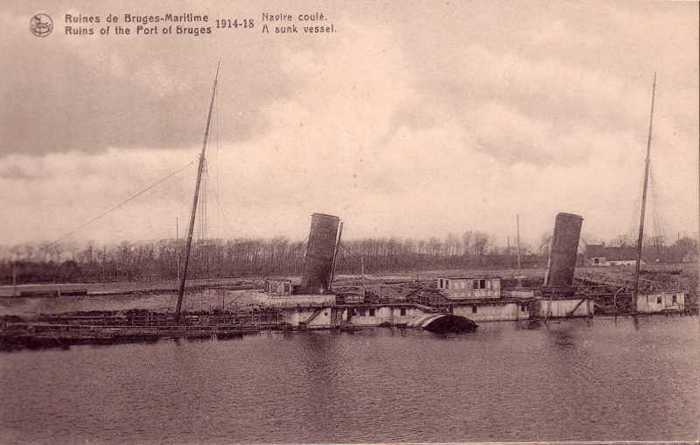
{"points": [[15, 172], [67, 93], [446, 119]]}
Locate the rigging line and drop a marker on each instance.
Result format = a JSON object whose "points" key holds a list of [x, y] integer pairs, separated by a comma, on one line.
{"points": [[219, 125], [632, 218], [198, 222], [217, 168], [218, 177], [220, 208], [121, 204], [205, 212], [203, 201], [221, 212], [659, 226]]}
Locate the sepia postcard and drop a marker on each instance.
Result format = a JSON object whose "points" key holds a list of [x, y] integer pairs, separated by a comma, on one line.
{"points": [[299, 221]]}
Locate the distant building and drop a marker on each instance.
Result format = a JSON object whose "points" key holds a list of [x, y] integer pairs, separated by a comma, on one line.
{"points": [[602, 255], [470, 287]]}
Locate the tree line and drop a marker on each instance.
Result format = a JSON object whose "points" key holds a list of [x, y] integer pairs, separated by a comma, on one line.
{"points": [[217, 258]]}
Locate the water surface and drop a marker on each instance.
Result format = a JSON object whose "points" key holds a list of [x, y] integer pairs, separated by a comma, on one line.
{"points": [[575, 380]]}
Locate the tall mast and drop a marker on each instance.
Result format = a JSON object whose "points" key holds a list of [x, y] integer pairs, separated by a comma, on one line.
{"points": [[362, 271], [177, 245], [644, 201], [517, 237], [190, 230]]}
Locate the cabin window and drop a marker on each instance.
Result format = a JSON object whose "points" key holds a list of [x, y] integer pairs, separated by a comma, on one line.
{"points": [[473, 309], [371, 312], [403, 311], [440, 285], [362, 312], [482, 284], [658, 300], [475, 284], [674, 299], [523, 307]]}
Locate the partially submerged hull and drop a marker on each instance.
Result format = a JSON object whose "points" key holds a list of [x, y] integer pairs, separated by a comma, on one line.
{"points": [[451, 324]]}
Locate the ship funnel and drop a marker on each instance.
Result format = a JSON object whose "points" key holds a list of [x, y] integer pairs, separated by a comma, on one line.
{"points": [[320, 254], [563, 251]]}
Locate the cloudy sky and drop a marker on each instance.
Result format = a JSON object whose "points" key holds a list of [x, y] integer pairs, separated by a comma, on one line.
{"points": [[414, 119]]}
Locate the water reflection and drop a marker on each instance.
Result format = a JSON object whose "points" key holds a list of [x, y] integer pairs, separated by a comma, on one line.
{"points": [[563, 337]]}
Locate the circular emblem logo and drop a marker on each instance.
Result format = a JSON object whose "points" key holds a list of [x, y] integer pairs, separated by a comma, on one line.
{"points": [[41, 24]]}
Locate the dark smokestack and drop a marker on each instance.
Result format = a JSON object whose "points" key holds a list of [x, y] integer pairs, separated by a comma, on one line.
{"points": [[563, 251], [319, 254]]}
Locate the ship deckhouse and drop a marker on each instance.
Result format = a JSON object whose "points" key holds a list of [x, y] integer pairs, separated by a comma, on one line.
{"points": [[470, 287]]}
